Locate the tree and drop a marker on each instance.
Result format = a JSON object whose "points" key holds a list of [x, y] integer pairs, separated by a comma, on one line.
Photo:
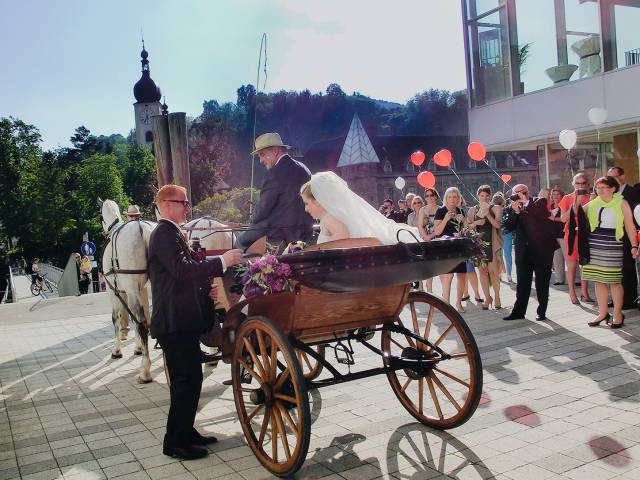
{"points": [[98, 176], [137, 167], [227, 206]]}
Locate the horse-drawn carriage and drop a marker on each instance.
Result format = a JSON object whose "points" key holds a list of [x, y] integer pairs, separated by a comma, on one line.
{"points": [[345, 292]]}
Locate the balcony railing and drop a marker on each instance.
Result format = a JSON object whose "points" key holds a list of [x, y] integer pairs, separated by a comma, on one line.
{"points": [[632, 57]]}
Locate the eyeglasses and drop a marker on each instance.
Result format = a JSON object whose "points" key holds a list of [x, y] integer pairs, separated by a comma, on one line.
{"points": [[581, 183], [417, 203], [185, 203]]}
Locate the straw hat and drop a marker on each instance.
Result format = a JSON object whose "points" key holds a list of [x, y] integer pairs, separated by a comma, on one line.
{"points": [[267, 140], [133, 210]]}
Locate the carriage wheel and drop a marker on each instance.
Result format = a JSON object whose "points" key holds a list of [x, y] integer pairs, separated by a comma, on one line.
{"points": [[311, 368], [273, 408], [446, 394]]}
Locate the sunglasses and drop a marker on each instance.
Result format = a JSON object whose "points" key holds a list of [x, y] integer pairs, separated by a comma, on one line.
{"points": [[417, 203], [185, 203]]}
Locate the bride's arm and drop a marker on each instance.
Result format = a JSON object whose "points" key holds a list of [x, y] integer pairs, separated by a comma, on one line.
{"points": [[421, 229]]}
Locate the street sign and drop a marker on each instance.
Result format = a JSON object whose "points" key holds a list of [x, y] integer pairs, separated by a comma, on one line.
{"points": [[88, 248]]}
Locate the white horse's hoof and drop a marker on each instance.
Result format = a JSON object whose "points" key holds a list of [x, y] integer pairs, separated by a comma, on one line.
{"points": [[142, 381], [115, 356], [137, 352]]}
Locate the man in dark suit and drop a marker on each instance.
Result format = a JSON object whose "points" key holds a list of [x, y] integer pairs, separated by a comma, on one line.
{"points": [[535, 244], [629, 274], [279, 214], [179, 283]]}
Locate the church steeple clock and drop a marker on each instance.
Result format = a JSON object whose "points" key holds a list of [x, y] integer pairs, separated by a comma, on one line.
{"points": [[147, 104]]}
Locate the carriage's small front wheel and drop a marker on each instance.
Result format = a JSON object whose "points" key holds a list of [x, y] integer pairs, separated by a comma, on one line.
{"points": [[273, 408], [311, 368], [441, 392]]}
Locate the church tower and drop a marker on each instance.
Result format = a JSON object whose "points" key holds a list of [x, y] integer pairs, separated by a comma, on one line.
{"points": [[147, 104]]}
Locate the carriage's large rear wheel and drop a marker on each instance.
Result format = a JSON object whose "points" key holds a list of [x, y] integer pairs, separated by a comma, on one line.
{"points": [[274, 407], [443, 394]]}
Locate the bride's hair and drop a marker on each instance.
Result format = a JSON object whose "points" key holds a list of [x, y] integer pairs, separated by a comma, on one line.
{"points": [[306, 191]]}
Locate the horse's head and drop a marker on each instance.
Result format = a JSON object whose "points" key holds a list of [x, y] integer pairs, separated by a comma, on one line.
{"points": [[110, 215]]}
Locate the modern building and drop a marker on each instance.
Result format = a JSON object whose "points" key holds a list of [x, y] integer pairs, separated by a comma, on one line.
{"points": [[371, 163], [536, 67], [147, 95]]}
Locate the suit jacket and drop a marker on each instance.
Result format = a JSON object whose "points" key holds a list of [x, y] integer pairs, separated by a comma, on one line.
{"points": [[532, 229], [178, 283], [280, 213]]}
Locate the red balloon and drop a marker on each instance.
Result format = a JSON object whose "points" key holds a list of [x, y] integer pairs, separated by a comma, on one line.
{"points": [[417, 158], [426, 179], [442, 158], [477, 151], [505, 177]]}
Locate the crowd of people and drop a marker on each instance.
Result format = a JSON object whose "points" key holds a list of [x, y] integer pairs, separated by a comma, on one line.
{"points": [[585, 237]]}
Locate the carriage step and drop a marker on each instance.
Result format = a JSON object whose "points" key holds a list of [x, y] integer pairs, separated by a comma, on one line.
{"points": [[345, 361]]}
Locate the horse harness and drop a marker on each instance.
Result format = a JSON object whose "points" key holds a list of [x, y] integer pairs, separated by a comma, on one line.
{"points": [[113, 231]]}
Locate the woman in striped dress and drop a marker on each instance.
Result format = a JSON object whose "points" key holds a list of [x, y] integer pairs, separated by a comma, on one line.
{"points": [[610, 218]]}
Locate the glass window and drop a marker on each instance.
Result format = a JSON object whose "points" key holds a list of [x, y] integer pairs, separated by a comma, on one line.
{"points": [[625, 35], [582, 26], [478, 7], [591, 159], [489, 51], [386, 167], [537, 45]]}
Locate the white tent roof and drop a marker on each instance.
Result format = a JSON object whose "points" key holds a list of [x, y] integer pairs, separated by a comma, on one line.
{"points": [[357, 147]]}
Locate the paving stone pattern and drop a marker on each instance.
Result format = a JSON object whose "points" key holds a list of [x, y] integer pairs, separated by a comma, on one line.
{"points": [[561, 400]]}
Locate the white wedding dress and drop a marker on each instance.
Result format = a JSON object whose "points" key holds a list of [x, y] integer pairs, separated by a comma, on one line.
{"points": [[361, 219]]}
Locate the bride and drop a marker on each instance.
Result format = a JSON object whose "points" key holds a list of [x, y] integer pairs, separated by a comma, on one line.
{"points": [[344, 214]]}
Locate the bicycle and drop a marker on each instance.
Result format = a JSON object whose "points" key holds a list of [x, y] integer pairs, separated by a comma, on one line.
{"points": [[42, 283]]}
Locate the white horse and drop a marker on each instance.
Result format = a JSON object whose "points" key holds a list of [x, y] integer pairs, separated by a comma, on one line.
{"points": [[124, 263], [213, 234]]}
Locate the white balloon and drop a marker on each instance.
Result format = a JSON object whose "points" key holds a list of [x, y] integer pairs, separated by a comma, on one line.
{"points": [[636, 214], [400, 183], [638, 153], [568, 139], [598, 115]]}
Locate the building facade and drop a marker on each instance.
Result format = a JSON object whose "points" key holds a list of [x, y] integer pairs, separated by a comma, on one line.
{"points": [[537, 67]]}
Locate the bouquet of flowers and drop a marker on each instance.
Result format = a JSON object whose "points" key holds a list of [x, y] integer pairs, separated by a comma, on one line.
{"points": [[265, 275], [479, 258]]}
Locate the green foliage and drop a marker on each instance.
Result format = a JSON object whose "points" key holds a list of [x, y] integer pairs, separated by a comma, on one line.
{"points": [[227, 206], [98, 176], [137, 167]]}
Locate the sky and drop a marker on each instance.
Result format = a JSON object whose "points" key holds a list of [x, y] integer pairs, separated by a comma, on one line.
{"points": [[67, 63]]}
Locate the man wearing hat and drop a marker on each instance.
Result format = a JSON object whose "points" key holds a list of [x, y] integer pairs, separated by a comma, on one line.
{"points": [[133, 213], [279, 214]]}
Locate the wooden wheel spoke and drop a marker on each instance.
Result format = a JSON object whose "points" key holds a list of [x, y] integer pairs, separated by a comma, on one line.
{"points": [[280, 428], [285, 414], [274, 438], [396, 342], [254, 412], [406, 384], [452, 377], [421, 395], [444, 334], [286, 398], [459, 355], [254, 357], [250, 370], [409, 339], [263, 427], [414, 318], [274, 361], [263, 350], [248, 390], [435, 398], [445, 391], [281, 380], [427, 327]]}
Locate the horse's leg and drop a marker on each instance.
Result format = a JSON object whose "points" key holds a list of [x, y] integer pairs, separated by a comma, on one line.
{"points": [[124, 328], [142, 333], [115, 318]]}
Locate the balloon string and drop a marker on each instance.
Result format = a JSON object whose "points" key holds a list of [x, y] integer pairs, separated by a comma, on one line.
{"points": [[464, 184]]}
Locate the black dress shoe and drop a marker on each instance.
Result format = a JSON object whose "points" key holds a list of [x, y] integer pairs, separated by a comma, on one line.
{"points": [[513, 317], [558, 283], [197, 439], [540, 318], [185, 453]]}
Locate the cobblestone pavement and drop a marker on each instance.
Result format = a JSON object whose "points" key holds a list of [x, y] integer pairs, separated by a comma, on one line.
{"points": [[561, 400]]}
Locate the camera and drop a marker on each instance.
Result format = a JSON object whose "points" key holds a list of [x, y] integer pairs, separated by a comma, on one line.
{"points": [[582, 191], [514, 197]]}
